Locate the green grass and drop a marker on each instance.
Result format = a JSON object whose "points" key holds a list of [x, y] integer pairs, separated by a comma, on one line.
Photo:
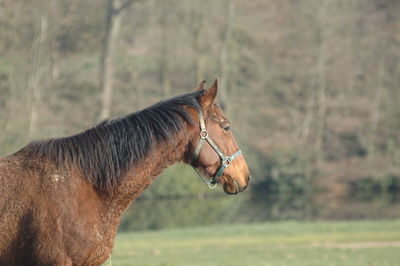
{"points": [[280, 243]]}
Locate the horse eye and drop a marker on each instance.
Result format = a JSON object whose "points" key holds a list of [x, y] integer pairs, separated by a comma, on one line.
{"points": [[226, 128]]}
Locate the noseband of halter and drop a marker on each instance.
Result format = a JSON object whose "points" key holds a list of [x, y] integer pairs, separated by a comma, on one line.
{"points": [[225, 160]]}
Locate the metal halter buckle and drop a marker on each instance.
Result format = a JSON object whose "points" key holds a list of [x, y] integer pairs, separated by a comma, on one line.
{"points": [[204, 134], [227, 162]]}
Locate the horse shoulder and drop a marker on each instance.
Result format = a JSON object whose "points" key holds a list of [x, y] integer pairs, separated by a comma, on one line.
{"points": [[50, 213]]}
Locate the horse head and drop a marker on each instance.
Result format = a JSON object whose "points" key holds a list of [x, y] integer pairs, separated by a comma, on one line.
{"points": [[215, 153]]}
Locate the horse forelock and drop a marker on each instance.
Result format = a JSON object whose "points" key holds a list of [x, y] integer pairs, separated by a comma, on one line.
{"points": [[105, 152]]}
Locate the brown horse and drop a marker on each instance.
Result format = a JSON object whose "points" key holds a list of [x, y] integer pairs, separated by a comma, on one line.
{"points": [[61, 199]]}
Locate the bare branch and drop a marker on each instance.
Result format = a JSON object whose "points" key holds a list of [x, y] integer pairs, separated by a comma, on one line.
{"points": [[125, 5]]}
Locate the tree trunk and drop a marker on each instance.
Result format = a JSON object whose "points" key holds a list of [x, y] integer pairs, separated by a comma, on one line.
{"points": [[307, 122], [112, 27], [38, 47], [321, 75], [379, 83], [197, 23], [165, 60], [54, 70], [224, 57], [115, 11]]}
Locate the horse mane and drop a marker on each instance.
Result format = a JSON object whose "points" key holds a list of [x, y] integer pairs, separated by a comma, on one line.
{"points": [[105, 152]]}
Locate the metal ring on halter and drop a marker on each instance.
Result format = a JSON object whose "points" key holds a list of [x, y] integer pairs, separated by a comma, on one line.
{"points": [[211, 184], [204, 134], [227, 162]]}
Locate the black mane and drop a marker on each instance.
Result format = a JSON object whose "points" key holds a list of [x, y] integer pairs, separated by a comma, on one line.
{"points": [[105, 152]]}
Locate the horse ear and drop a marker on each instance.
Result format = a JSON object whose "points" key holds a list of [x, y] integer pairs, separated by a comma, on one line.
{"points": [[201, 86], [210, 94]]}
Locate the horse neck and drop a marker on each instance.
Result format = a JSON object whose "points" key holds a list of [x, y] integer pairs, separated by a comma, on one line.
{"points": [[142, 174]]}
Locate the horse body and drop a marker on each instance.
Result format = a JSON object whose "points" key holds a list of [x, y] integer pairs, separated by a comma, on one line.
{"points": [[62, 199], [57, 215]]}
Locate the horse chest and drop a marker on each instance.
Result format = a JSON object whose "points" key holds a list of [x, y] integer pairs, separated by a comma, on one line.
{"points": [[85, 244]]}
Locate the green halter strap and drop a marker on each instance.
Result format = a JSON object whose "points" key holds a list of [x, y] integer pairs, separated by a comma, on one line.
{"points": [[225, 160]]}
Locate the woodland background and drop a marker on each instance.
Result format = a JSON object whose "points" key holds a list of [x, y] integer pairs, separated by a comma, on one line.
{"points": [[312, 88]]}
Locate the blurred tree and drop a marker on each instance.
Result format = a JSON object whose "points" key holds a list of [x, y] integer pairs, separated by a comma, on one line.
{"points": [[36, 82], [321, 76], [226, 65], [116, 9], [165, 51]]}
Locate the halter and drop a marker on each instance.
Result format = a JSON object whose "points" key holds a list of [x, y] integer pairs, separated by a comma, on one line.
{"points": [[225, 160]]}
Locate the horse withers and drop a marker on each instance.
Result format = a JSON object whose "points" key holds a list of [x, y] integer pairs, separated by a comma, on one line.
{"points": [[61, 199]]}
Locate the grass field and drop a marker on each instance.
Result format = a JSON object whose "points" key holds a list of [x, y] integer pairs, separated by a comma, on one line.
{"points": [[280, 243]]}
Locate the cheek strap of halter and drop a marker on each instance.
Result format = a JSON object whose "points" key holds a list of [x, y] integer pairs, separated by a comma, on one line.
{"points": [[225, 160]]}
